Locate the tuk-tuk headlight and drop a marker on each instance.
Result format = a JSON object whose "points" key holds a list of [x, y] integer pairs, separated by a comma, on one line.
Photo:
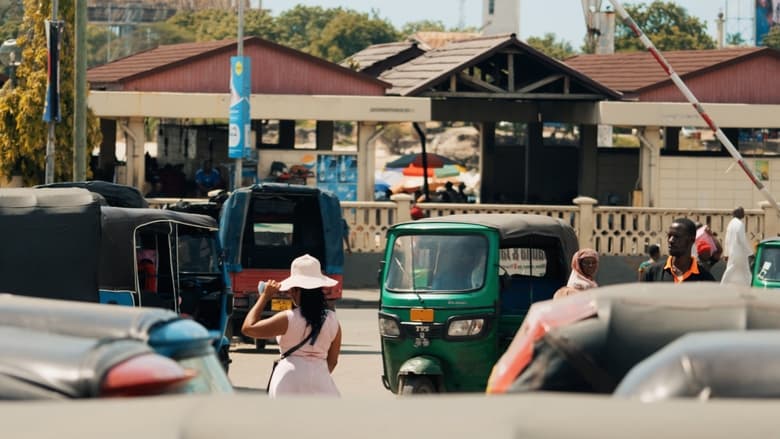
{"points": [[465, 328], [388, 327]]}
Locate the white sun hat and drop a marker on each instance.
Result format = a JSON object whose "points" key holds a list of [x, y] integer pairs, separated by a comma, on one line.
{"points": [[305, 272]]}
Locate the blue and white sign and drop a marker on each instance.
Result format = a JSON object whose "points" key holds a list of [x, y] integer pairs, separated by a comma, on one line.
{"points": [[240, 89]]}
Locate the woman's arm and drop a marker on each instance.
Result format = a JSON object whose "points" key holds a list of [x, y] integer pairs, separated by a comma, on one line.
{"points": [[334, 350], [275, 325]]}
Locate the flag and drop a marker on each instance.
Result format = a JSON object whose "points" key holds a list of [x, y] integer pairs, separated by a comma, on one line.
{"points": [[51, 109]]}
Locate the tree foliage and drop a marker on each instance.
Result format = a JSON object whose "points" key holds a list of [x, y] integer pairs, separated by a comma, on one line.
{"points": [[11, 13], [772, 38], [413, 27], [23, 133], [350, 32], [550, 46], [668, 25]]}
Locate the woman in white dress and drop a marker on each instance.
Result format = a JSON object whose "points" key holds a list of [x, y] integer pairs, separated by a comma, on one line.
{"points": [[307, 370]]}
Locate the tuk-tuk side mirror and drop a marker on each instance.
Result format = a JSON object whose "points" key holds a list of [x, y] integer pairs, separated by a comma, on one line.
{"points": [[379, 273]]}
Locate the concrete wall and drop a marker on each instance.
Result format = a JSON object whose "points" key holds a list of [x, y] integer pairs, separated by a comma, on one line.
{"points": [[712, 182]]}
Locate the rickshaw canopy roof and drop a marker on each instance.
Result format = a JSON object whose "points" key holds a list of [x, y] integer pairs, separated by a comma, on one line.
{"points": [[514, 226]]}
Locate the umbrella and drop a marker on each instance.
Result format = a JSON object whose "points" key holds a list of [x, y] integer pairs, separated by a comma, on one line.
{"points": [[434, 161]]}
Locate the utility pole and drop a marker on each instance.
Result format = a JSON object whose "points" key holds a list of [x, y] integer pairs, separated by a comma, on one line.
{"points": [[51, 113], [80, 98], [240, 90]]}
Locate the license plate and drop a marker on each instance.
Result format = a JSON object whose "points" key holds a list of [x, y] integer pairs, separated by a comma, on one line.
{"points": [[421, 315], [281, 304]]}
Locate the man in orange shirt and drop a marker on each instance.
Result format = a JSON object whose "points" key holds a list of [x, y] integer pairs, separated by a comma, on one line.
{"points": [[680, 266]]}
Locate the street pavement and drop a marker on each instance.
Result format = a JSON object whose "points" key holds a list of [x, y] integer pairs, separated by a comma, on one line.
{"points": [[359, 298]]}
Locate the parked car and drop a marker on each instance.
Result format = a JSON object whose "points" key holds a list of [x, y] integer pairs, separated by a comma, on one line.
{"points": [[57, 349], [590, 341]]}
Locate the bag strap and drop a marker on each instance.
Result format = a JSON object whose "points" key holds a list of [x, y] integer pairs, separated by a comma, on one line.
{"points": [[296, 347], [303, 342]]}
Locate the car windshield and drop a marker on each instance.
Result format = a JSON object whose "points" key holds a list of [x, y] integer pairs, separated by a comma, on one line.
{"points": [[437, 263], [769, 265]]}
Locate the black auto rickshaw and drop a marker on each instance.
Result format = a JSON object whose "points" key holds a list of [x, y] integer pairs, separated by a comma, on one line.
{"points": [[455, 289], [65, 244]]}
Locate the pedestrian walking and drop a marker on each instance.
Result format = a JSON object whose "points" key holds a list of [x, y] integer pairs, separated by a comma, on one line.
{"points": [[680, 266], [309, 336], [654, 253], [737, 251]]}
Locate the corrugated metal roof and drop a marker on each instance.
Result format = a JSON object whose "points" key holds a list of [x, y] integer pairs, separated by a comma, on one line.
{"points": [[376, 53], [153, 59], [167, 57], [436, 65], [633, 71]]}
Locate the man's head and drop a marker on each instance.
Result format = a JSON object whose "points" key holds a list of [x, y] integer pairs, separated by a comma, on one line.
{"points": [[680, 237], [739, 212], [448, 185], [206, 165], [654, 251]]}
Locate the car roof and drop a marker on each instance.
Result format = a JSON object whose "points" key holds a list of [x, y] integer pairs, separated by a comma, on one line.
{"points": [[81, 319]]}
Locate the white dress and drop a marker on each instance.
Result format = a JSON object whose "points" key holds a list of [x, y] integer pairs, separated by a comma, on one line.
{"points": [[737, 249], [305, 371]]}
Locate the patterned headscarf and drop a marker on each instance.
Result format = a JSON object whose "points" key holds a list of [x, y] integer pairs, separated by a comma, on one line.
{"points": [[578, 279]]}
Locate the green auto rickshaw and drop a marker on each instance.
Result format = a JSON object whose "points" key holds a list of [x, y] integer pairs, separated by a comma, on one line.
{"points": [[455, 289], [766, 266]]}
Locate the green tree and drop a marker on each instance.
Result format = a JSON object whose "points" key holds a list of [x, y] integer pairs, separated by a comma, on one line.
{"points": [[219, 24], [550, 46], [735, 39], [413, 27], [300, 26], [22, 130], [668, 26], [11, 13], [772, 39], [350, 32]]}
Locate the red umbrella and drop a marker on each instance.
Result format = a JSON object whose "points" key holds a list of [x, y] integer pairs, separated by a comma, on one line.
{"points": [[434, 161]]}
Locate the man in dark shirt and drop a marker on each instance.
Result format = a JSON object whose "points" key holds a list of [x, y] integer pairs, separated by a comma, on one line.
{"points": [[680, 266]]}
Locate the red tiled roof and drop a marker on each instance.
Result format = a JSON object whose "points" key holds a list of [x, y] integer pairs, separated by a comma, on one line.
{"points": [[633, 71], [159, 57]]}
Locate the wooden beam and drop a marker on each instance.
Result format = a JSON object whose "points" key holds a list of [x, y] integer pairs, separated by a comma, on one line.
{"points": [[453, 83], [480, 83], [510, 60], [566, 85], [540, 83], [516, 95]]}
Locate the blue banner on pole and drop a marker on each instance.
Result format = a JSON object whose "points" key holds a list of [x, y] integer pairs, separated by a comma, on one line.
{"points": [[51, 108], [240, 89]]}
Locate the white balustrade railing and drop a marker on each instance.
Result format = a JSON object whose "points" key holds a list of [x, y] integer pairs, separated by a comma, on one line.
{"points": [[611, 230]]}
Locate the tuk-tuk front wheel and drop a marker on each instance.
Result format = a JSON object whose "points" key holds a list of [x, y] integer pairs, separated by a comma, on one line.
{"points": [[416, 384]]}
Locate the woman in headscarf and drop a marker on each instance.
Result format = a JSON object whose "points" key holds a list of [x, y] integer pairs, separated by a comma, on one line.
{"points": [[309, 336], [584, 265]]}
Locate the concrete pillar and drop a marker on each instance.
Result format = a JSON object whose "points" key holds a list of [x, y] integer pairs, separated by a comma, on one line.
{"points": [[403, 204], [587, 221], [649, 160], [487, 162], [136, 167], [771, 220], [366, 161], [588, 183]]}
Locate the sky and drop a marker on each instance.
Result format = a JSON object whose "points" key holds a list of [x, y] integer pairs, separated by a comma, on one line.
{"points": [[537, 17]]}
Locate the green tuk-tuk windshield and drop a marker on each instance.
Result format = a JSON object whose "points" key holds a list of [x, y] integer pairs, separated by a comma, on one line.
{"points": [[769, 265], [437, 263]]}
